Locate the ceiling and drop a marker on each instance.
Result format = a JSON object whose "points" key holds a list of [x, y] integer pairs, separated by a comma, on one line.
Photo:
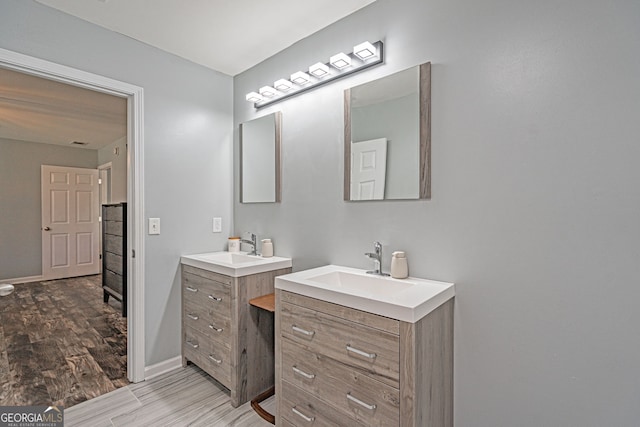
{"points": [[34, 109], [229, 36]]}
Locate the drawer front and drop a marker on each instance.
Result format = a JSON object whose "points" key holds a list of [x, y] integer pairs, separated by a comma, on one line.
{"points": [[113, 227], [112, 213], [372, 351], [348, 390], [210, 294], [113, 281], [302, 409], [211, 322], [226, 280], [113, 262], [207, 354], [113, 244]]}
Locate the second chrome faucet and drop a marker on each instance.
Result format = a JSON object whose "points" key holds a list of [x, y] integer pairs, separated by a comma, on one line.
{"points": [[377, 258], [253, 242]]}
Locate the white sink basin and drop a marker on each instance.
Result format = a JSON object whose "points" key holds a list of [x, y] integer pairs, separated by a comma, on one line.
{"points": [[359, 283], [235, 264], [407, 300]]}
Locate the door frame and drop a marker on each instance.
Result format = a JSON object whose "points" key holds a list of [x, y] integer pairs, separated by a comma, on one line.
{"points": [[135, 184], [101, 168]]}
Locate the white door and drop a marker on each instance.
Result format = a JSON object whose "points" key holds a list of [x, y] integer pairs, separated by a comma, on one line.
{"points": [[70, 229], [368, 169]]}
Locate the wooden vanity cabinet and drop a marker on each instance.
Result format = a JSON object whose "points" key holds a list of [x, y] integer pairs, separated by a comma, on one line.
{"points": [[337, 366], [223, 334]]}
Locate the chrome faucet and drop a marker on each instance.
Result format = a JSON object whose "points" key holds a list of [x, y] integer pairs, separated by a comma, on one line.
{"points": [[251, 242], [377, 258]]}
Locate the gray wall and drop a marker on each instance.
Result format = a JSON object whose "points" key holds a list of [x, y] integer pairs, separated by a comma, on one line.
{"points": [[187, 157], [118, 168], [535, 202], [21, 202]]}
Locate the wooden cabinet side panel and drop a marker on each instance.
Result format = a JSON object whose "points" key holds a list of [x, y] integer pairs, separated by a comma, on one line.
{"points": [[252, 349], [426, 366], [182, 311], [278, 361]]}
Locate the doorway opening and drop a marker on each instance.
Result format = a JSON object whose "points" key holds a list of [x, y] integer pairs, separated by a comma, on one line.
{"points": [[135, 180]]}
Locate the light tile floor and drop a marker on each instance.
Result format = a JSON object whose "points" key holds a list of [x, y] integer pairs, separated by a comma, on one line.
{"points": [[184, 397]]}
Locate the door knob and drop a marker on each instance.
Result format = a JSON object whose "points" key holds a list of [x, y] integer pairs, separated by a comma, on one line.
{"points": [[46, 229]]}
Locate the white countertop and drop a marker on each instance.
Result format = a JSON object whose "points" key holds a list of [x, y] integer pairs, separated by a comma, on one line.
{"points": [[407, 300], [235, 264]]}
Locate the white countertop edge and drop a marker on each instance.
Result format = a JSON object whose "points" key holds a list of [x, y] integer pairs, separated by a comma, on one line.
{"points": [[411, 314], [260, 266]]}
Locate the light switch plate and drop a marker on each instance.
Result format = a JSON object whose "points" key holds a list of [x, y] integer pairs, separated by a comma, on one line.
{"points": [[154, 225], [217, 225]]}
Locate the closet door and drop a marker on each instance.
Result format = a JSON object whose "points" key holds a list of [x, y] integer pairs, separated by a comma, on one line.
{"points": [[70, 228]]}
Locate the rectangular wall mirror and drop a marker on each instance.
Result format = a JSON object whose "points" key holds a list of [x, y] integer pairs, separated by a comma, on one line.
{"points": [[387, 137], [260, 141]]}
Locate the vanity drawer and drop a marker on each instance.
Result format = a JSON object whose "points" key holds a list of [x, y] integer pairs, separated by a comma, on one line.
{"points": [[209, 355], [361, 397], [302, 409], [209, 275], [369, 350], [200, 290], [211, 322]]}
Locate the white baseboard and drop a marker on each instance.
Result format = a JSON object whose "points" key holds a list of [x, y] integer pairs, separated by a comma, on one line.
{"points": [[162, 367], [28, 279]]}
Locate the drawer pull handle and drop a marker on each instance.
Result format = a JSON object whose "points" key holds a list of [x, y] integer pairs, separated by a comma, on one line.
{"points": [[301, 415], [192, 316], [216, 299], [190, 289], [360, 402], [303, 331], [303, 373], [361, 353], [216, 329], [218, 361], [192, 344]]}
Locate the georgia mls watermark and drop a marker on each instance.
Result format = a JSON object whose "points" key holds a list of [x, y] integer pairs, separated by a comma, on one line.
{"points": [[31, 416]]}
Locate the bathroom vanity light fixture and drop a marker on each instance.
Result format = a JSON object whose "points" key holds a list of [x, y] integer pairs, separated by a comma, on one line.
{"points": [[283, 85], [300, 78], [267, 91], [365, 50], [319, 69], [364, 55], [340, 60]]}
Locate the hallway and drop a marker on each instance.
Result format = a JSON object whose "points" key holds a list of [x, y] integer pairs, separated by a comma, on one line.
{"points": [[60, 344]]}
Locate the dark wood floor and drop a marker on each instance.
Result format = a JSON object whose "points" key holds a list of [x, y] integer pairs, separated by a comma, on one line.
{"points": [[60, 343]]}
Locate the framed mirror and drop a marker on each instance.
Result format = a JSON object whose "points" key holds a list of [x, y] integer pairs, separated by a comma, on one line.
{"points": [[387, 137], [260, 141]]}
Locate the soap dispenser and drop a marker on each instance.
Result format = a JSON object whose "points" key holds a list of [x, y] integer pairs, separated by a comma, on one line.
{"points": [[267, 248], [399, 266]]}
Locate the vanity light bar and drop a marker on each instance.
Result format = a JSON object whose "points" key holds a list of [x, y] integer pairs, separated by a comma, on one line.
{"points": [[267, 91], [319, 69], [365, 50], [300, 78], [254, 97], [340, 65], [283, 85], [340, 60]]}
